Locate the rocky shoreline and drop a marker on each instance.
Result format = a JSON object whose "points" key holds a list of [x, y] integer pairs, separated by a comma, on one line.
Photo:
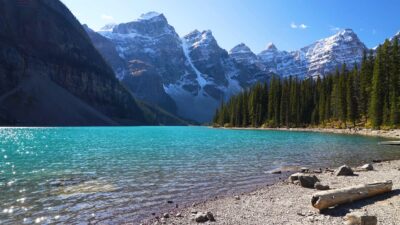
{"points": [[392, 134], [289, 202]]}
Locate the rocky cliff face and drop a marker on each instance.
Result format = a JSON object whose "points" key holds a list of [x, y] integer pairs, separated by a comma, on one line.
{"points": [[140, 78], [193, 70], [52, 75], [251, 68]]}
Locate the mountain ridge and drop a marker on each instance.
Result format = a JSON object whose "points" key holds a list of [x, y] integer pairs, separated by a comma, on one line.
{"points": [[198, 74]]}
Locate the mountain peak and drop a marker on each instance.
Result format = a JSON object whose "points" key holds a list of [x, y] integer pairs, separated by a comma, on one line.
{"points": [[240, 48], [242, 53], [196, 35], [193, 33], [346, 33], [151, 24], [342, 37], [271, 47], [151, 15]]}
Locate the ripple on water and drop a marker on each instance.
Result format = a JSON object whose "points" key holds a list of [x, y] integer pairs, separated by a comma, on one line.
{"points": [[123, 174]]}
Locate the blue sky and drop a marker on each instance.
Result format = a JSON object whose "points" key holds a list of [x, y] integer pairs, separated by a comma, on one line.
{"points": [[290, 24]]}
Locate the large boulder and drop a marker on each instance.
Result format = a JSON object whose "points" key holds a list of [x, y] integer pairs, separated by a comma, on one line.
{"points": [[344, 171], [305, 180], [308, 181]]}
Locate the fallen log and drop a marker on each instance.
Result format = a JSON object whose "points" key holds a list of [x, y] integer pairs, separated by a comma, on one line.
{"points": [[326, 199]]}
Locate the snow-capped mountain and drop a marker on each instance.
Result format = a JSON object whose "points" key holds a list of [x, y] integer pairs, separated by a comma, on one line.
{"points": [[251, 67], [317, 59], [193, 70], [191, 75], [242, 54]]}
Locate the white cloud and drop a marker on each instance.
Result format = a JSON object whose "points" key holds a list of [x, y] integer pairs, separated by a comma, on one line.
{"points": [[107, 17], [302, 26]]}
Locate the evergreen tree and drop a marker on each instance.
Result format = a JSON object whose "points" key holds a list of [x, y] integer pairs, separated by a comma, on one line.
{"points": [[284, 103], [377, 95], [342, 103], [351, 98], [369, 94], [395, 85]]}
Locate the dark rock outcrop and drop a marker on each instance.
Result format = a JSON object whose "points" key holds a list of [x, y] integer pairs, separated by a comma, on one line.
{"points": [[140, 78], [52, 75]]}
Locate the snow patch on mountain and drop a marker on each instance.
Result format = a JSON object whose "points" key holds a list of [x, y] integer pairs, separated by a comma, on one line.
{"points": [[200, 79]]}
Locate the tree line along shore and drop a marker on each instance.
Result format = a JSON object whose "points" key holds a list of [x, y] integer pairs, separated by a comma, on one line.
{"points": [[365, 96]]}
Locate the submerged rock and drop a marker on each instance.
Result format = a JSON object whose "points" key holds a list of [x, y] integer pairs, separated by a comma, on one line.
{"points": [[344, 171], [277, 171], [87, 187]]}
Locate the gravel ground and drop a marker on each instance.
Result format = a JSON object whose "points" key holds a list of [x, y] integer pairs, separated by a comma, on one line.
{"points": [[286, 203], [393, 133]]}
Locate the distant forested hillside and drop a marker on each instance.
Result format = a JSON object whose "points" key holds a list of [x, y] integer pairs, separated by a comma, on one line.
{"points": [[366, 96]]}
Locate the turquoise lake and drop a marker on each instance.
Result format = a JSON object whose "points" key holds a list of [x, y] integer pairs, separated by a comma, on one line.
{"points": [[110, 175]]}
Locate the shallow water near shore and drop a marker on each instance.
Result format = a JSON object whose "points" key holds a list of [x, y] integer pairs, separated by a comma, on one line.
{"points": [[123, 174]]}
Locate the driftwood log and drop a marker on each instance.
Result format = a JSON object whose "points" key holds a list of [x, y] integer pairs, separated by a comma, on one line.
{"points": [[326, 199]]}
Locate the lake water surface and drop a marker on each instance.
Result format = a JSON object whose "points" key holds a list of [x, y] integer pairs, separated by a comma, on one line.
{"points": [[110, 175]]}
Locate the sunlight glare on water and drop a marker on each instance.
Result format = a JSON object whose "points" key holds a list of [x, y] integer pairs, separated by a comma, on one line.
{"points": [[123, 174]]}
